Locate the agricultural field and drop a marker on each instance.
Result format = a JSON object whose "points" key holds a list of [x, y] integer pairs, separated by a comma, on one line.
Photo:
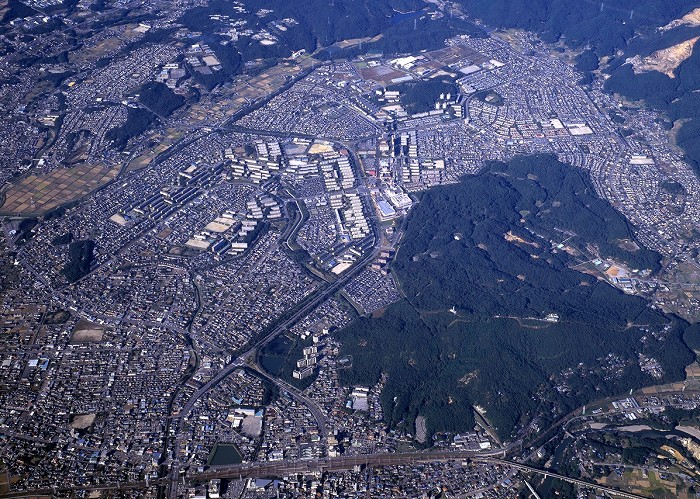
{"points": [[649, 483], [37, 194]]}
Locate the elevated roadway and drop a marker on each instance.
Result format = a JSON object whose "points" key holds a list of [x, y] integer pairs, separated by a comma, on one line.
{"points": [[277, 469]]}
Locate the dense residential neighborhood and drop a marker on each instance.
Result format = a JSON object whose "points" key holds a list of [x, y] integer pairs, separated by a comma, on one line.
{"points": [[186, 231]]}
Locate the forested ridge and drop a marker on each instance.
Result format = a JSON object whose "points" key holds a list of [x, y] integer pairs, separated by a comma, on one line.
{"points": [[80, 257], [617, 30], [160, 99], [441, 362], [604, 26], [420, 96], [138, 120]]}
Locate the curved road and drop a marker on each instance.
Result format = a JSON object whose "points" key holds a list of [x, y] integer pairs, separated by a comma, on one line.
{"points": [[247, 359]]}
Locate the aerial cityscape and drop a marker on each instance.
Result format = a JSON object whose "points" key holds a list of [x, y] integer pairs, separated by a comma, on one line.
{"points": [[342, 248]]}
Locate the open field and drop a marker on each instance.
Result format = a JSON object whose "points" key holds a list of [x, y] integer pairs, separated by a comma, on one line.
{"points": [[352, 42], [247, 89], [37, 194], [87, 332], [82, 421], [382, 74], [457, 55], [105, 47], [101, 49], [649, 485], [4, 482], [164, 141]]}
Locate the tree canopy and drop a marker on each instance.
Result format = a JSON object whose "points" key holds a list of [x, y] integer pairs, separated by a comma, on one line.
{"points": [[481, 267]]}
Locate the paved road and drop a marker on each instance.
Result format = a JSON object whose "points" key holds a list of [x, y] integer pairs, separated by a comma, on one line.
{"points": [[282, 468], [249, 357], [576, 481]]}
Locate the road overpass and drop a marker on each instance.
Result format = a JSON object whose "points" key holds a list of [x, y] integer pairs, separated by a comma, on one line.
{"points": [[575, 481]]}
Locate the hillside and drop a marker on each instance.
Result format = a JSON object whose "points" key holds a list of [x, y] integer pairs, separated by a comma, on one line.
{"points": [[481, 269]]}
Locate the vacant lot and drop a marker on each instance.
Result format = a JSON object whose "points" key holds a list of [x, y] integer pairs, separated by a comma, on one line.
{"points": [[87, 332], [82, 421]]}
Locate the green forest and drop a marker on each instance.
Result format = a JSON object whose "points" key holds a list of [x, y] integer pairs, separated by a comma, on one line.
{"points": [[419, 96], [160, 99], [137, 121], [605, 27], [80, 257], [405, 26], [442, 362]]}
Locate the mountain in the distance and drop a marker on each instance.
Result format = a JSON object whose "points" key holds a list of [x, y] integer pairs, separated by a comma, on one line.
{"points": [[649, 47]]}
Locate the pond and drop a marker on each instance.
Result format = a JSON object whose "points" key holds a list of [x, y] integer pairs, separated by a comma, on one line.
{"points": [[274, 354], [225, 454]]}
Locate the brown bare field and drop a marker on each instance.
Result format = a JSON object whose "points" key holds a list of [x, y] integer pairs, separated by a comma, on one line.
{"points": [[352, 42], [82, 421], [165, 141], [107, 46], [381, 74], [87, 332], [453, 55], [37, 194]]}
